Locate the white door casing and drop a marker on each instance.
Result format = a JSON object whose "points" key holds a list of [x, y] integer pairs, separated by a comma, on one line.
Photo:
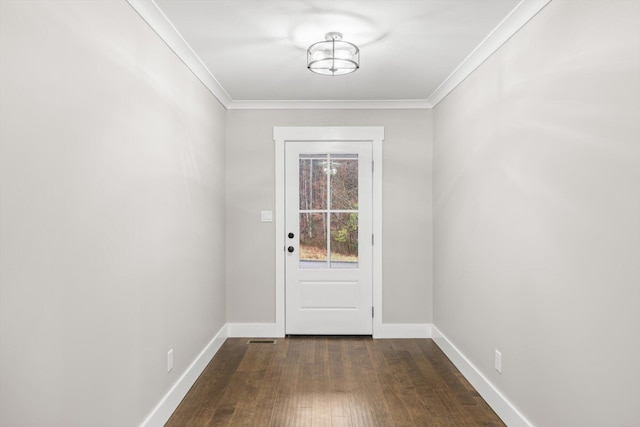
{"points": [[283, 135]]}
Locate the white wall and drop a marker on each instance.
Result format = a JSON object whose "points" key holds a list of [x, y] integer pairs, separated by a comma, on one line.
{"points": [[537, 215], [111, 215], [407, 225]]}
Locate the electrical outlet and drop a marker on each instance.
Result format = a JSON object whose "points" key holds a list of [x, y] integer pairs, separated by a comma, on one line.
{"points": [[170, 360], [498, 361]]}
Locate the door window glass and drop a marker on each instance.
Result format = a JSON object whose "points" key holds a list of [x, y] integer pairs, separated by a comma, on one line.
{"points": [[313, 182], [328, 188], [313, 240]]}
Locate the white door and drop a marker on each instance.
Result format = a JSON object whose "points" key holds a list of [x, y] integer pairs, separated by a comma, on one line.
{"points": [[328, 226]]}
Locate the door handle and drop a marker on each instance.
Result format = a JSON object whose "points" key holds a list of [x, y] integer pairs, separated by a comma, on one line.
{"points": [[290, 249], [291, 235]]}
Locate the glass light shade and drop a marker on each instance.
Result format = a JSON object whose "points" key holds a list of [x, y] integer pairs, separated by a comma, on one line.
{"points": [[333, 57]]}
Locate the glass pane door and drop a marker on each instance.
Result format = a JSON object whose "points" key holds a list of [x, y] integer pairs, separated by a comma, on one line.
{"points": [[328, 210]]}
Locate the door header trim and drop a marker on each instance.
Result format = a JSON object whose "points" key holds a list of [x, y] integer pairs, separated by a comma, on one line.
{"points": [[329, 133]]}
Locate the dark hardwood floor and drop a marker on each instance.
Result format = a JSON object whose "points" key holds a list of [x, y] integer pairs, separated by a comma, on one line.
{"points": [[332, 381]]}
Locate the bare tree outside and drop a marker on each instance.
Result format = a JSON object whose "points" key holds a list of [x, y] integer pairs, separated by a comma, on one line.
{"points": [[329, 208]]}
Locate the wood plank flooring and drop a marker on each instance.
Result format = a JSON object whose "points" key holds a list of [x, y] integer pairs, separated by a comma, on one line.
{"points": [[332, 381]]}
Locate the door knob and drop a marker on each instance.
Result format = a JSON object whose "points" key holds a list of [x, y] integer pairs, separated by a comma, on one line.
{"points": [[291, 235], [290, 249]]}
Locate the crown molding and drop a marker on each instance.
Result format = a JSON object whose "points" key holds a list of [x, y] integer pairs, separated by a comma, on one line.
{"points": [[507, 28], [158, 21], [392, 104]]}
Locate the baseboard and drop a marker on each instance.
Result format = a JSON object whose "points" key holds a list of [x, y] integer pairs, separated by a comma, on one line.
{"points": [[404, 330], [498, 402], [163, 410], [253, 330], [387, 330]]}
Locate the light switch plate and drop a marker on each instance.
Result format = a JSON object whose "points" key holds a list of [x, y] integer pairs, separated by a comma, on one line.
{"points": [[266, 216]]}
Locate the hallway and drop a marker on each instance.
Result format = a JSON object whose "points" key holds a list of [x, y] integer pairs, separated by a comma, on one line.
{"points": [[136, 182]]}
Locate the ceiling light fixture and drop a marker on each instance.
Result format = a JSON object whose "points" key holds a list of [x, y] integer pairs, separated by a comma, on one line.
{"points": [[333, 57]]}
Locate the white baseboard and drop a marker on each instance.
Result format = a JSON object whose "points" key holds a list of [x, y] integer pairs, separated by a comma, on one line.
{"points": [[387, 330], [163, 410], [253, 330], [498, 402], [404, 330]]}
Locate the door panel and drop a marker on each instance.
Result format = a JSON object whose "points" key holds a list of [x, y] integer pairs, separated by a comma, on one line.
{"points": [[328, 222], [329, 295]]}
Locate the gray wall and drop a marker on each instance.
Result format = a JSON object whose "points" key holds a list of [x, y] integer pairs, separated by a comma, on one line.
{"points": [[537, 215], [111, 215], [407, 225]]}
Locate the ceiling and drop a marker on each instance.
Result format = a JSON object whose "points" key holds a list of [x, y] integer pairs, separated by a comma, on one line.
{"points": [[255, 50]]}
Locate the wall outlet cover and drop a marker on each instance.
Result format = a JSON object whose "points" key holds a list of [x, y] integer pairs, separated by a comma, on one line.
{"points": [[169, 360]]}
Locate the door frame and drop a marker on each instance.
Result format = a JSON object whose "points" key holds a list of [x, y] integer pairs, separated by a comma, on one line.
{"points": [[281, 135]]}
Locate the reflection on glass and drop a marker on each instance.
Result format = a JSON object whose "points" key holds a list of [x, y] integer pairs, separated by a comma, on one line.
{"points": [[313, 182], [313, 240], [344, 184], [344, 240]]}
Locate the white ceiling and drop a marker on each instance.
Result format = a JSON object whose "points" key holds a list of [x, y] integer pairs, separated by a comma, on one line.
{"points": [[256, 49]]}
